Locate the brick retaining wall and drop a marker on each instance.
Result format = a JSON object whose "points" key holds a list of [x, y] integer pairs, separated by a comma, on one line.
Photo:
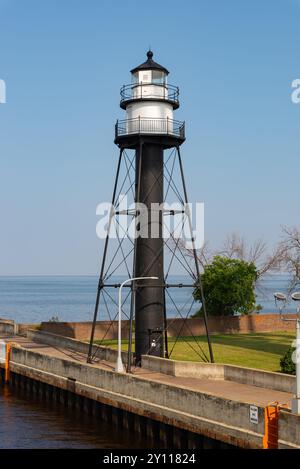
{"points": [[221, 324]]}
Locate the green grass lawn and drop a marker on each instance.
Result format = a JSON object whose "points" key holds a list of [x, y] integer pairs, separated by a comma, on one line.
{"points": [[256, 350]]}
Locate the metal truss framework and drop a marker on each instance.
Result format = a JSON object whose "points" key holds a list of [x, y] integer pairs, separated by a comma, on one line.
{"points": [[121, 259]]}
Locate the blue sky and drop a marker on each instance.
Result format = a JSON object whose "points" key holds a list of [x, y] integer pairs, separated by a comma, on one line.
{"points": [[64, 61]]}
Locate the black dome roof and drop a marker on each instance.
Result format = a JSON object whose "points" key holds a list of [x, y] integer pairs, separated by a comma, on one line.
{"points": [[150, 65]]}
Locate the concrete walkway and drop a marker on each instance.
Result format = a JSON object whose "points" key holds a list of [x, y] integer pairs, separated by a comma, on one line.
{"points": [[216, 387]]}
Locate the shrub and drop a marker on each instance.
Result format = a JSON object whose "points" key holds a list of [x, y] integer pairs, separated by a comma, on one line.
{"points": [[286, 362]]}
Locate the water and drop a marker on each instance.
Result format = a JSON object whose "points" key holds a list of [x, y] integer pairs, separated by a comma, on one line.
{"points": [[71, 298], [31, 423]]}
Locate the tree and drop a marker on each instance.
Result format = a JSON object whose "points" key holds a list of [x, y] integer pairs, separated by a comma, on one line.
{"points": [[228, 286], [236, 247], [291, 248]]}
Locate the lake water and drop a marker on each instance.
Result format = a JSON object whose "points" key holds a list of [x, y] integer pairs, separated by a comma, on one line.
{"points": [[27, 422], [71, 298]]}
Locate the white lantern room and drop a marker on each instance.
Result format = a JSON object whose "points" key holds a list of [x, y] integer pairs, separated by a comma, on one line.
{"points": [[149, 101]]}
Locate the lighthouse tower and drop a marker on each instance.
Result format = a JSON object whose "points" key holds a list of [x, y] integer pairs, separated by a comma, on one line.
{"points": [[148, 130]]}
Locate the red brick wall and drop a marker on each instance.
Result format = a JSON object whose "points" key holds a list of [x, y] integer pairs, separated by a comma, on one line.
{"points": [[82, 330], [221, 324]]}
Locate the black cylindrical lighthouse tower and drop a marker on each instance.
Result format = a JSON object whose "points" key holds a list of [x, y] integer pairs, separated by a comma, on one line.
{"points": [[149, 310], [149, 129]]}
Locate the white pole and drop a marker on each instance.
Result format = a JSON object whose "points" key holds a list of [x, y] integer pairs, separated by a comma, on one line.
{"points": [[119, 365], [296, 399], [296, 297]]}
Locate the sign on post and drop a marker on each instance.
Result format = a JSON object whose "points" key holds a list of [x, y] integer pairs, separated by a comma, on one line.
{"points": [[254, 414]]}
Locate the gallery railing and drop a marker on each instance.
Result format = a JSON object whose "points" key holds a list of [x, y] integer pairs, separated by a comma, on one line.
{"points": [[161, 91], [143, 125]]}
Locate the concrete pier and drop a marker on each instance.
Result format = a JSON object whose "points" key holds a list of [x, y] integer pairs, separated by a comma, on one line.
{"points": [[181, 404]]}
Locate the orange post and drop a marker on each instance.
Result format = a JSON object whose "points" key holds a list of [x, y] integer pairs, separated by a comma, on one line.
{"points": [[7, 360], [270, 439]]}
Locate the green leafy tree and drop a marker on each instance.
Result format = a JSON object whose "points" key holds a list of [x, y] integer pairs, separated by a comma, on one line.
{"points": [[228, 286]]}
